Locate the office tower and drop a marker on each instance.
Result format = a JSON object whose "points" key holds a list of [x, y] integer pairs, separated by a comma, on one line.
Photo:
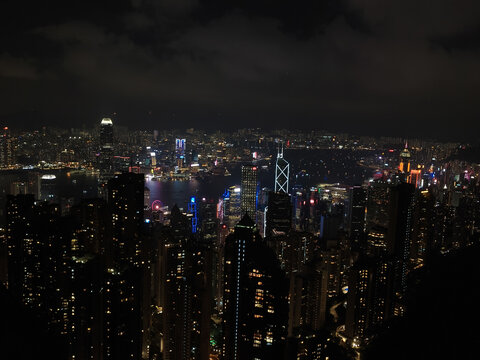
{"points": [[230, 207], [402, 201], [193, 212], [6, 148], [125, 203], [180, 151], [153, 159], [207, 220], [299, 206], [248, 195], [282, 173], [255, 309], [106, 150], [279, 214], [356, 214], [48, 188], [405, 155]]}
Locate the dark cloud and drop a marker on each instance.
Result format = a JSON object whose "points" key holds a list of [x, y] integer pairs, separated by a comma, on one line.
{"points": [[397, 67]]}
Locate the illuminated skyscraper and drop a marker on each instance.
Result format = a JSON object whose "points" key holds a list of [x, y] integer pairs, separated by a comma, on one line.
{"points": [[404, 166], [230, 207], [180, 148], [282, 173], [106, 150], [48, 188], [248, 195]]}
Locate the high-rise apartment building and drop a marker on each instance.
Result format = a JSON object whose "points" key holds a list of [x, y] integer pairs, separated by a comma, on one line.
{"points": [[357, 214], [255, 312], [125, 203]]}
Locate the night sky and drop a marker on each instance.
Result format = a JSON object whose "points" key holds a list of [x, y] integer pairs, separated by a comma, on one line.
{"points": [[404, 67]]}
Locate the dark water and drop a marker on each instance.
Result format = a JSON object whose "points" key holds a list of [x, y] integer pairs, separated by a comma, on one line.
{"points": [[322, 166]]}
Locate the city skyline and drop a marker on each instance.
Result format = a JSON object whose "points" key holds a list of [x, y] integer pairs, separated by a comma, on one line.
{"points": [[239, 180], [248, 245]]}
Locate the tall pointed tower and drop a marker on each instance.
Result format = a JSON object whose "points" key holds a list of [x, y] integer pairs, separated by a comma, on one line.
{"points": [[282, 172], [404, 166]]}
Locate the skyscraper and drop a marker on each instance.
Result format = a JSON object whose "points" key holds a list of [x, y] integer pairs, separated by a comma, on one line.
{"points": [[255, 313], [369, 299], [402, 201], [248, 197], [106, 150], [180, 148], [282, 173], [125, 203], [230, 207], [184, 292], [356, 213], [279, 213], [6, 148], [404, 166]]}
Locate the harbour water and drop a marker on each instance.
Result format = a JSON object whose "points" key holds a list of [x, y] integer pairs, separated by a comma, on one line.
{"points": [[322, 166]]}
